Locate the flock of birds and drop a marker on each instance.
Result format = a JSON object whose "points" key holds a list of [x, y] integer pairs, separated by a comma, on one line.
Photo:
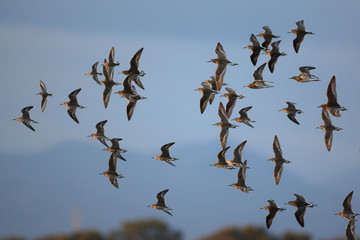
{"points": [[210, 88]]}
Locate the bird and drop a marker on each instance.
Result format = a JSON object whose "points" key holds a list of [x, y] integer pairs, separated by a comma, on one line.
{"points": [[111, 63], [240, 184], [111, 172], [134, 69], [274, 54], [237, 162], [208, 94], [73, 104], [301, 204], [332, 104], [255, 48], [108, 84], [25, 118], [160, 205], [222, 163], [268, 36], [44, 93], [100, 133], [115, 147], [244, 117], [347, 212], [350, 230], [329, 128], [129, 92], [305, 75], [224, 124], [94, 72], [278, 160], [291, 111], [273, 209], [259, 82], [300, 34], [165, 154], [222, 62], [232, 96]]}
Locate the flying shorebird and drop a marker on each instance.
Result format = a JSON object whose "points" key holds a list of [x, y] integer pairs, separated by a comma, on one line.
{"points": [[259, 82], [44, 93], [240, 184], [111, 172], [134, 69], [222, 62], [25, 118], [224, 124], [100, 133], [274, 54], [94, 72], [111, 63], [222, 163], [291, 111], [115, 148], [232, 96], [208, 94], [305, 75], [129, 92], [347, 212], [73, 104], [273, 209], [255, 48], [108, 84], [350, 230], [332, 105], [237, 162], [165, 154], [301, 204], [329, 128], [268, 36], [300, 34], [244, 117], [160, 205], [278, 160]]}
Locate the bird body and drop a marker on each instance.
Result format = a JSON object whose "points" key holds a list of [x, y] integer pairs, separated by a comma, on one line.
{"points": [[243, 118], [291, 112], [329, 128], [73, 104], [224, 124], [44, 94], [25, 118], [134, 69], [222, 163], [274, 54], [100, 133], [259, 82], [305, 75], [273, 209], [208, 95], [268, 36], [94, 73], [301, 204], [332, 104], [161, 205], [300, 35], [347, 211], [165, 154], [222, 63], [111, 172], [237, 160], [278, 160], [240, 184], [232, 96], [255, 48]]}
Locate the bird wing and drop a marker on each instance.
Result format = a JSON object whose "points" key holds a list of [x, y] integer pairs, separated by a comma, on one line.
{"points": [[161, 197], [43, 87], [134, 62], [165, 150], [255, 54], [25, 111], [347, 202], [28, 125], [278, 171], [130, 109], [112, 54], [238, 152], [331, 92], [291, 116], [106, 95], [71, 111], [350, 230], [219, 75], [72, 96], [221, 155], [254, 41], [219, 50], [44, 100], [299, 214], [113, 181], [204, 100], [277, 148], [325, 117], [258, 72], [224, 133], [300, 25], [94, 67], [297, 41], [270, 217]]}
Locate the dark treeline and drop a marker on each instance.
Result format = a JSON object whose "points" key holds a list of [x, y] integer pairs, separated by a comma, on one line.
{"points": [[153, 229]]}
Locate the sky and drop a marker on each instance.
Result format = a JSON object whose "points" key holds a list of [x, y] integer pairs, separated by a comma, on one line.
{"points": [[55, 170]]}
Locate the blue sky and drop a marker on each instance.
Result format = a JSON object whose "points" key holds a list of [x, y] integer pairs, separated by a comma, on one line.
{"points": [[58, 42]]}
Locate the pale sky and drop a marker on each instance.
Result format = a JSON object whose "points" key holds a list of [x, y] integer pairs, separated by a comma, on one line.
{"points": [[54, 170]]}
